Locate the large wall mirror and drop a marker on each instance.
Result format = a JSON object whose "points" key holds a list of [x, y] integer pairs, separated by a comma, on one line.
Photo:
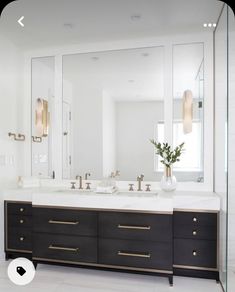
{"points": [[42, 90], [188, 110], [113, 103]]}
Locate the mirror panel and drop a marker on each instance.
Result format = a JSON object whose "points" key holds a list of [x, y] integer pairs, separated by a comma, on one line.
{"points": [[188, 109], [113, 103], [43, 87]]}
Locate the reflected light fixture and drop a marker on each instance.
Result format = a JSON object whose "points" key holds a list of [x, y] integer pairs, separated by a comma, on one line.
{"points": [[206, 24], [42, 118], [187, 111]]}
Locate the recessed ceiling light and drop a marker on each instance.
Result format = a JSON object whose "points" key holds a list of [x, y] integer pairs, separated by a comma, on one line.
{"points": [[145, 54], [214, 24], [205, 24], [209, 24], [68, 25], [131, 80], [95, 58], [135, 17]]}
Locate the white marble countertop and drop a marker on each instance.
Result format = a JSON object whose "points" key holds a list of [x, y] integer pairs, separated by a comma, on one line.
{"points": [[154, 201]]}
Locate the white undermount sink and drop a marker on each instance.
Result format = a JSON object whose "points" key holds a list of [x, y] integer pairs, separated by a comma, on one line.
{"points": [[137, 193], [146, 194]]}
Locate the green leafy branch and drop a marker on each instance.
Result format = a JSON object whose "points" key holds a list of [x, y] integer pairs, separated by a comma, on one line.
{"points": [[168, 155]]}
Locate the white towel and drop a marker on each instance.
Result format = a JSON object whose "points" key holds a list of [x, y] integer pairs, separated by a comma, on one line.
{"points": [[105, 190], [29, 182]]}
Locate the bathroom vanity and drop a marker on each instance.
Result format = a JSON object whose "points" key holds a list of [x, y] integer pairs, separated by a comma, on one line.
{"points": [[160, 238]]}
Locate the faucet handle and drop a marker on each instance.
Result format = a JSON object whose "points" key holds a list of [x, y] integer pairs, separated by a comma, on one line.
{"points": [[73, 185], [86, 175], [148, 187], [88, 186], [131, 187], [117, 173]]}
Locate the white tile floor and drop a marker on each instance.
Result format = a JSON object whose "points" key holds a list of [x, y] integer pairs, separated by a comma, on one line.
{"points": [[66, 279]]}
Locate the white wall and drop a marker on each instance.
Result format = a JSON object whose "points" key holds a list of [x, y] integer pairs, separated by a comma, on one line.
{"points": [[135, 123], [109, 134], [10, 119]]}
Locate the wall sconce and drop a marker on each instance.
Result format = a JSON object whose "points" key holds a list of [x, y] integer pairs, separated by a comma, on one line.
{"points": [[42, 118], [187, 111], [19, 137], [37, 139]]}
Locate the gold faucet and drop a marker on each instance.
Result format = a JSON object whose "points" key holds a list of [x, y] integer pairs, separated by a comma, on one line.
{"points": [[140, 178], [80, 181], [86, 175]]}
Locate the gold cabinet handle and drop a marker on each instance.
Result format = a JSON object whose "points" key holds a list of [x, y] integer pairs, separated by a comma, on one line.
{"points": [[194, 253], [131, 254], [194, 232], [63, 222], [134, 227], [63, 248]]}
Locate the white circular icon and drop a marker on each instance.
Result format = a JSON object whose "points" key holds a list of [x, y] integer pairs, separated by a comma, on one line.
{"points": [[21, 271]]}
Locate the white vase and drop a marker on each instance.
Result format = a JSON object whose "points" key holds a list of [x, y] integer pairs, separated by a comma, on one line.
{"points": [[168, 182]]}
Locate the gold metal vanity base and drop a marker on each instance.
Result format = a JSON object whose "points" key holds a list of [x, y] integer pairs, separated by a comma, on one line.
{"points": [[105, 266], [195, 268]]}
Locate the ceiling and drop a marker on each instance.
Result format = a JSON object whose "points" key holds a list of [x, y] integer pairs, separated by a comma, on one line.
{"points": [[132, 75], [63, 22]]}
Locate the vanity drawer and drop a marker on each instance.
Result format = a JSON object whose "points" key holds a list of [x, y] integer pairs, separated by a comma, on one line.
{"points": [[64, 221], [19, 239], [197, 253], [195, 219], [19, 208], [65, 247], [146, 227], [140, 254], [19, 221], [196, 232]]}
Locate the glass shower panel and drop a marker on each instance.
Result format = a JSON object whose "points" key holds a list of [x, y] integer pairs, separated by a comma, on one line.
{"points": [[231, 153], [221, 124]]}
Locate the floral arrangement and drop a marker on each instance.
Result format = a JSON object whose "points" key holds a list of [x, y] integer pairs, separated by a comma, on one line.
{"points": [[168, 155]]}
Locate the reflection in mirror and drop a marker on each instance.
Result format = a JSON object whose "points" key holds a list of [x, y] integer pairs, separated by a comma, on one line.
{"points": [[188, 84], [42, 100], [112, 105]]}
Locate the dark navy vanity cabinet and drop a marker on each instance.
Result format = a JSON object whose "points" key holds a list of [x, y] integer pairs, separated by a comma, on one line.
{"points": [[182, 243]]}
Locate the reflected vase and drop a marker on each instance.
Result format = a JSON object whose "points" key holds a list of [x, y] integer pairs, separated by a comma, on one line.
{"points": [[168, 182]]}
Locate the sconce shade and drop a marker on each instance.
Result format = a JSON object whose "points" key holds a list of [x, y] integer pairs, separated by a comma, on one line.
{"points": [[187, 111], [42, 118]]}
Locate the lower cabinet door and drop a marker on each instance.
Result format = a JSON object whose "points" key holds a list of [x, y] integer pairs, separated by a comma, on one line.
{"points": [[19, 239], [196, 253], [65, 247], [139, 254]]}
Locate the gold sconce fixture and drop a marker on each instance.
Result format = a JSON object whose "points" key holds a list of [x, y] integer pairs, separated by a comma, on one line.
{"points": [[187, 111], [42, 118], [17, 137], [37, 139]]}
